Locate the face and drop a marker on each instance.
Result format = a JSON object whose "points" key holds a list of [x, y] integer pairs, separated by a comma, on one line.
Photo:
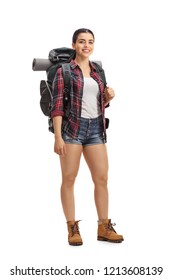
{"points": [[84, 45]]}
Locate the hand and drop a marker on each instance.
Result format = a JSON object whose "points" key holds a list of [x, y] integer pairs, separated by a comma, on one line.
{"points": [[60, 147], [109, 94]]}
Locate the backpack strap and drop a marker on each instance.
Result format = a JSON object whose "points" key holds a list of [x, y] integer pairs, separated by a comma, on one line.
{"points": [[101, 72], [67, 81]]}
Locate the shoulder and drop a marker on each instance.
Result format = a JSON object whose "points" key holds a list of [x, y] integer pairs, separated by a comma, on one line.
{"points": [[73, 64], [96, 65], [99, 71]]}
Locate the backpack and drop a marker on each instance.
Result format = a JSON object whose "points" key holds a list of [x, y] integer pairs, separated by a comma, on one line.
{"points": [[59, 57]]}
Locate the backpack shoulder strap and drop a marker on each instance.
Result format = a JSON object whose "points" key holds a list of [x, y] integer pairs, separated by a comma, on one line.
{"points": [[100, 71], [67, 80]]}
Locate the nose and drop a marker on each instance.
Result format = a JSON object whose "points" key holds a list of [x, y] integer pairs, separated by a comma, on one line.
{"points": [[86, 44]]}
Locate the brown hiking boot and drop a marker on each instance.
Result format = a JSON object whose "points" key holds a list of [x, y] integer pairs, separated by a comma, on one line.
{"points": [[74, 237], [106, 232]]}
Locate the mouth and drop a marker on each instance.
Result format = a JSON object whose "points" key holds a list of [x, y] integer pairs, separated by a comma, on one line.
{"points": [[86, 50]]}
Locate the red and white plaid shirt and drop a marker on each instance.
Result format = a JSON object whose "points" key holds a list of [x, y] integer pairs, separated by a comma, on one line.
{"points": [[72, 114]]}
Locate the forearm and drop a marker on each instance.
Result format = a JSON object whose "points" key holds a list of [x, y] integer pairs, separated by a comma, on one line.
{"points": [[57, 123]]}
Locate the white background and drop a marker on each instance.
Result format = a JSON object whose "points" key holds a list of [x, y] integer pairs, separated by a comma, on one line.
{"points": [[134, 43]]}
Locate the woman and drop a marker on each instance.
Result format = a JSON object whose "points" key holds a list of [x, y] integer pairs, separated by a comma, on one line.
{"points": [[80, 128]]}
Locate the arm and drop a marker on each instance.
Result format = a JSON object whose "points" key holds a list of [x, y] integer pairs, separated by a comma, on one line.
{"points": [[58, 95], [57, 112], [59, 145]]}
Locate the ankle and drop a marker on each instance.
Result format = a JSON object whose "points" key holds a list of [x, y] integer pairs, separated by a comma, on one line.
{"points": [[101, 221]]}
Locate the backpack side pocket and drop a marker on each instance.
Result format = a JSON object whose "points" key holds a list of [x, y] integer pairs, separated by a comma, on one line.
{"points": [[46, 97]]}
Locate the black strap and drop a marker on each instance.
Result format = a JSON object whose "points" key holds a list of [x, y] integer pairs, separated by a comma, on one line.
{"points": [[101, 72], [67, 81]]}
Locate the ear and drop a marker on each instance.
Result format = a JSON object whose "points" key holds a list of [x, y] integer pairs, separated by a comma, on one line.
{"points": [[73, 46]]}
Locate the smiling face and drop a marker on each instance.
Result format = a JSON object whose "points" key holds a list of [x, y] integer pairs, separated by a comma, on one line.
{"points": [[84, 45]]}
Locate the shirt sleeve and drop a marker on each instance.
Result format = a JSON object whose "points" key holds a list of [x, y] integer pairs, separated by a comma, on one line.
{"points": [[58, 94]]}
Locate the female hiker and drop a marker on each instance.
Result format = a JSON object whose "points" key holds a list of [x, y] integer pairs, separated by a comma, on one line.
{"points": [[81, 129]]}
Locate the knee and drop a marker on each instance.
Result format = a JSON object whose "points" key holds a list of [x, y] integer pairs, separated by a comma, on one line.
{"points": [[68, 179], [100, 180]]}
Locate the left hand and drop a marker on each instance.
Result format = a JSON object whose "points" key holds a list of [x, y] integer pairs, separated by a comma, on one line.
{"points": [[109, 94]]}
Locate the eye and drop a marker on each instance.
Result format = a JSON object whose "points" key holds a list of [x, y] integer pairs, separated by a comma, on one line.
{"points": [[81, 41]]}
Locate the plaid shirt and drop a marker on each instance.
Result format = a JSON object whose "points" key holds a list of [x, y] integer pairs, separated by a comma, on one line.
{"points": [[72, 114]]}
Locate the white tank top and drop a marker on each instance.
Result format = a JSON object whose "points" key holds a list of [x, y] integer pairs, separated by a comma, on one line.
{"points": [[90, 99]]}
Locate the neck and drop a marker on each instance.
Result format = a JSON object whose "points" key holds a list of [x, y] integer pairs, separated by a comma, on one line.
{"points": [[83, 63]]}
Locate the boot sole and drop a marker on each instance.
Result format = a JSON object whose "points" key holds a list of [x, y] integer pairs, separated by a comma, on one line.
{"points": [[76, 244], [99, 238]]}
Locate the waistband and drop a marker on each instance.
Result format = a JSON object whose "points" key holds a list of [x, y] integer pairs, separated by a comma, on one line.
{"points": [[92, 119]]}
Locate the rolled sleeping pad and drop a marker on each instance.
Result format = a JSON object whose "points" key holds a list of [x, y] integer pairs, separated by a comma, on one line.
{"points": [[42, 64]]}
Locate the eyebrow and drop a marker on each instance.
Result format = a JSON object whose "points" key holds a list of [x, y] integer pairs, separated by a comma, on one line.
{"points": [[90, 40]]}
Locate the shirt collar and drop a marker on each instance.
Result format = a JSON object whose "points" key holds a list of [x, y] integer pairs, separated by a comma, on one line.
{"points": [[73, 65]]}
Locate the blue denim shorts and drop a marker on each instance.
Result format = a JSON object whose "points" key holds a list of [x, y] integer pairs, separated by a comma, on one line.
{"points": [[90, 133]]}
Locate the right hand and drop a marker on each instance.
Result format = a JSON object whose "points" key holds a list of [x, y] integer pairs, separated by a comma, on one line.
{"points": [[60, 147]]}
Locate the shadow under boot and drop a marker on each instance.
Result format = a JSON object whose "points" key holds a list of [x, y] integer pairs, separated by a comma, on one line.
{"points": [[106, 232], [74, 237]]}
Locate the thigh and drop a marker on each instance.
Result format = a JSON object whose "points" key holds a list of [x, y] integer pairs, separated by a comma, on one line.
{"points": [[97, 159], [70, 162]]}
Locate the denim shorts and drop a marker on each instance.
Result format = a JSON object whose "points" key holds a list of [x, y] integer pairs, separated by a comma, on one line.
{"points": [[90, 133]]}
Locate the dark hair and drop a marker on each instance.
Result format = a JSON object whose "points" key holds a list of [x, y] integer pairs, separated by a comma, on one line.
{"points": [[81, 30]]}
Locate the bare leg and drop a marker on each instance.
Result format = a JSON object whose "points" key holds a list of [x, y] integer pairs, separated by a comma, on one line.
{"points": [[97, 160], [69, 167]]}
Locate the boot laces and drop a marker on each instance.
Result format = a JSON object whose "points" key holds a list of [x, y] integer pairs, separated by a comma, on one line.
{"points": [[109, 226], [75, 228]]}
